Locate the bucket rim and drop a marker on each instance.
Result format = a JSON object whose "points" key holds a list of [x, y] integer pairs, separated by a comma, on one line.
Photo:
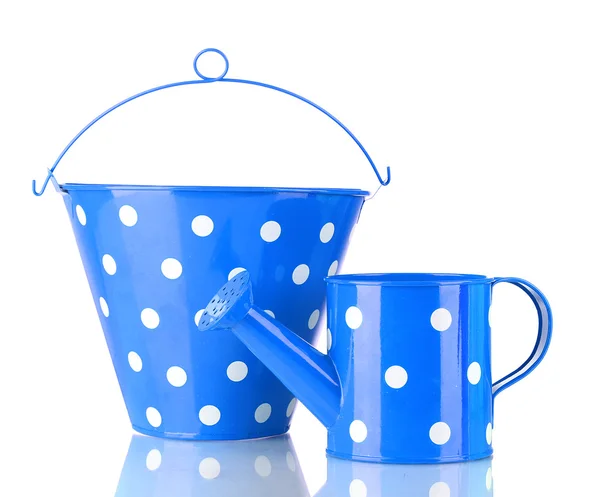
{"points": [[408, 279], [66, 187]]}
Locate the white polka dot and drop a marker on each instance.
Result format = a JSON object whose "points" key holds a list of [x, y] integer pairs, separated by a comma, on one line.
{"points": [[358, 431], [396, 376], [313, 319], [176, 376], [441, 319], [81, 215], [290, 461], [104, 307], [290, 408], [488, 434], [490, 314], [209, 468], [440, 433], [489, 479], [135, 361], [110, 266], [237, 371], [327, 232], [171, 268], [150, 318], [153, 417], [333, 268], [354, 317], [474, 373], [202, 225], [128, 215], [198, 316], [357, 488], [270, 313], [329, 339], [235, 272], [210, 415], [262, 413], [153, 460], [270, 231], [300, 274], [439, 489], [262, 466]]}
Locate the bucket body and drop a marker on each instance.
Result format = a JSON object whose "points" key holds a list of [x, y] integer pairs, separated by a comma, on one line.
{"points": [[153, 256], [252, 468]]}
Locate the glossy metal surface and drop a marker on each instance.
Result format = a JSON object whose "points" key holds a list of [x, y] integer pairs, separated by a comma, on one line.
{"points": [[252, 468], [412, 354], [357, 479], [153, 257]]}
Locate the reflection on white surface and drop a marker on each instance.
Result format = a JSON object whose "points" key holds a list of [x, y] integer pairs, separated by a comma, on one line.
{"points": [[156, 467], [356, 479]]}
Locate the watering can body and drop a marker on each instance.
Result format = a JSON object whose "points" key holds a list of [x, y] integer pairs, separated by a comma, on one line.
{"points": [[407, 378]]}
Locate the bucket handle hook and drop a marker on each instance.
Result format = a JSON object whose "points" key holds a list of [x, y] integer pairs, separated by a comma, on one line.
{"points": [[204, 79]]}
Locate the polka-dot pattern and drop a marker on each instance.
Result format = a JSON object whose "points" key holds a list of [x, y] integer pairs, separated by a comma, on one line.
{"points": [[104, 307], [474, 373], [234, 272], [135, 361], [489, 479], [300, 274], [202, 225], [396, 377], [82, 218], [150, 318], [440, 433], [109, 264], [153, 460], [270, 231], [209, 468], [329, 339], [237, 371], [176, 376], [326, 233], [262, 413], [270, 313], [358, 431], [209, 415], [354, 317], [439, 489], [314, 319], [171, 268], [153, 417], [332, 269], [441, 319], [291, 406], [262, 466], [357, 488], [128, 215], [488, 433]]}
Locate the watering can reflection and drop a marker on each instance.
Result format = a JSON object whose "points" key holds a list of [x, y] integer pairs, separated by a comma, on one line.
{"points": [[407, 377]]}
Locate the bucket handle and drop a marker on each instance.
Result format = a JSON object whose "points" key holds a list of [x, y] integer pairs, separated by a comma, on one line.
{"points": [[205, 79]]}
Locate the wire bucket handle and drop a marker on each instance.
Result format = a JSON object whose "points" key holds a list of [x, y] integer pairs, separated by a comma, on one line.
{"points": [[205, 79]]}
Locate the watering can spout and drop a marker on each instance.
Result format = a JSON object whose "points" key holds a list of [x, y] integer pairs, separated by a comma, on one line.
{"points": [[306, 372]]}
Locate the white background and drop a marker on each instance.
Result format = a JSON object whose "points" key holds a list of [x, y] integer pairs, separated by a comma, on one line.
{"points": [[487, 113]]}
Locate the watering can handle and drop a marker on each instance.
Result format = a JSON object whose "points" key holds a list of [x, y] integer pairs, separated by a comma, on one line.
{"points": [[543, 338], [205, 79]]}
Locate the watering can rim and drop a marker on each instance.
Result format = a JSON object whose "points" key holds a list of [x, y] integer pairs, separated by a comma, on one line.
{"points": [[65, 187], [411, 279]]}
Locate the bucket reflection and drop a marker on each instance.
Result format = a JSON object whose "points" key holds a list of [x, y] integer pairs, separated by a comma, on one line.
{"points": [[157, 467]]}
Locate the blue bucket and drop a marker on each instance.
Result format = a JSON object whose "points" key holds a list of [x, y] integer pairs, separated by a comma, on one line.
{"points": [[153, 256]]}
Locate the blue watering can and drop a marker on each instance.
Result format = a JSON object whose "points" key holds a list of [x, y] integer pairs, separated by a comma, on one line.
{"points": [[407, 377]]}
